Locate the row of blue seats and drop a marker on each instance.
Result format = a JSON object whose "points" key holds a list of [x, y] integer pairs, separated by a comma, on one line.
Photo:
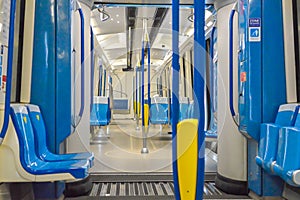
{"points": [[279, 149], [101, 113], [35, 157], [160, 107]]}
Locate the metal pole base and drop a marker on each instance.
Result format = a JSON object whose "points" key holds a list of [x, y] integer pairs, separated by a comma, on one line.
{"points": [[145, 150], [100, 137]]}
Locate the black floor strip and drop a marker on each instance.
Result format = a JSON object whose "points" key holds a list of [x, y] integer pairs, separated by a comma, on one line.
{"points": [[163, 189], [127, 189], [136, 189], [118, 189], [145, 189], [108, 189], [100, 188], [172, 187], [154, 189]]}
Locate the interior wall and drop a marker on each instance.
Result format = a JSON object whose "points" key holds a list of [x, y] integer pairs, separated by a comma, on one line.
{"points": [[290, 70], [232, 146], [80, 139]]}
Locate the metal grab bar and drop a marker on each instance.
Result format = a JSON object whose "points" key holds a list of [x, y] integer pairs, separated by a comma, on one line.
{"points": [[9, 70], [231, 19], [92, 68], [82, 63]]}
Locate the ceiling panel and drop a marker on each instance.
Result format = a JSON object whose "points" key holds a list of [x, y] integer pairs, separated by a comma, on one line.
{"points": [[115, 24], [114, 41], [112, 34]]}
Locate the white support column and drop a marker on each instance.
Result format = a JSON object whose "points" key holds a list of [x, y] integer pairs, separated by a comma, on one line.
{"points": [[232, 146], [80, 139]]}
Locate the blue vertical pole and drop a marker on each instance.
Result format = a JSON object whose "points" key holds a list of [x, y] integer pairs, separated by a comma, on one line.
{"points": [[199, 89], [149, 77], [92, 68], [100, 81], [175, 90], [82, 63], [104, 84], [143, 85], [212, 71], [9, 69], [231, 20]]}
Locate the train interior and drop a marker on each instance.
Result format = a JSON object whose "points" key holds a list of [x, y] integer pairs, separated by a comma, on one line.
{"points": [[149, 99]]}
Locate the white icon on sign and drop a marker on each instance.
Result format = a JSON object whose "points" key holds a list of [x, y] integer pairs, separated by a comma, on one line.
{"points": [[254, 32]]}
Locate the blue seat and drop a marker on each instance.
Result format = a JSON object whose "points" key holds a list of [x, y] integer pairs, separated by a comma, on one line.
{"points": [[159, 110], [184, 108], [100, 115], [30, 161], [287, 164], [42, 150], [269, 133]]}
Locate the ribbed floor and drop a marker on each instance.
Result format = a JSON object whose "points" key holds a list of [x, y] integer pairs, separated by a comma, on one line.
{"points": [[155, 190], [133, 189], [145, 186]]}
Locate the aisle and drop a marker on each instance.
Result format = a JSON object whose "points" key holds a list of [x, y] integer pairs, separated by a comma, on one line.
{"points": [[121, 152]]}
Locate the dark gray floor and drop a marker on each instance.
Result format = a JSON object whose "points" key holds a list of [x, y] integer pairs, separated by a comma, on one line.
{"points": [[145, 186]]}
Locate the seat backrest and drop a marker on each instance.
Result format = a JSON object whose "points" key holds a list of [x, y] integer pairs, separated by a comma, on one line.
{"points": [[285, 114], [291, 147], [39, 128], [184, 108], [296, 117], [159, 110], [102, 108], [283, 140], [93, 115], [22, 124]]}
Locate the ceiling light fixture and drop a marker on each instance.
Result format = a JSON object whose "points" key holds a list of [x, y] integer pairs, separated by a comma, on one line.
{"points": [[103, 14]]}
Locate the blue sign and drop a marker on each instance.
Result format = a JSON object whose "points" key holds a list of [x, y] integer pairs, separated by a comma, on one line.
{"points": [[254, 22], [254, 29]]}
